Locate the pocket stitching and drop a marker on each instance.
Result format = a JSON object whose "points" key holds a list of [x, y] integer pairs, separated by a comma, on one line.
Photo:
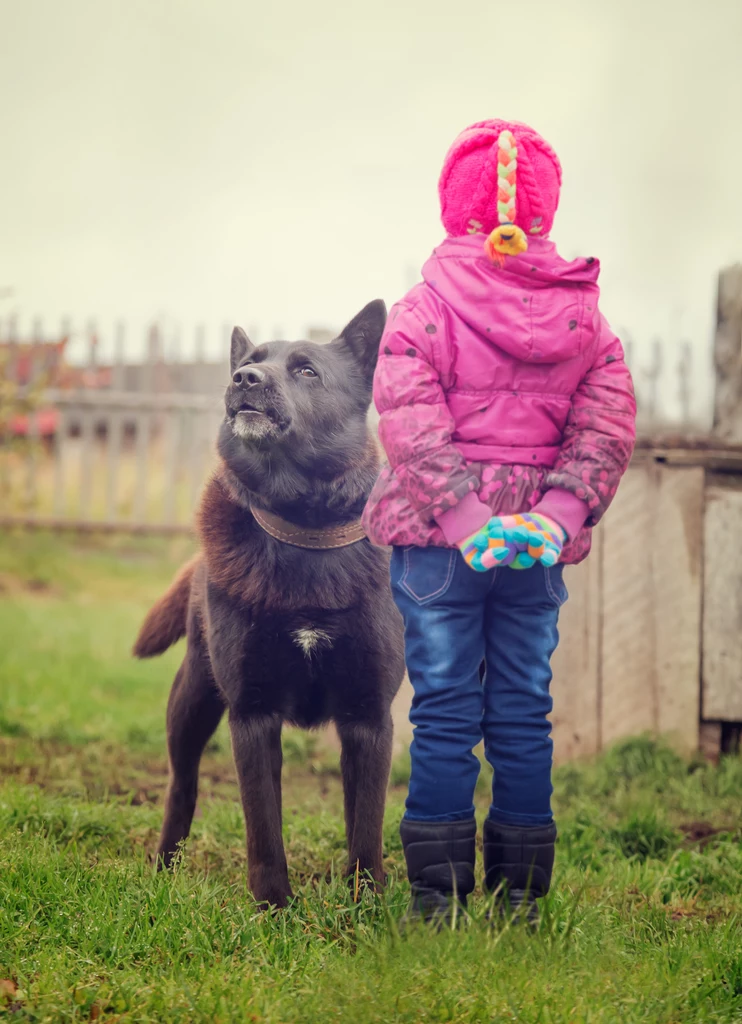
{"points": [[436, 593], [550, 587]]}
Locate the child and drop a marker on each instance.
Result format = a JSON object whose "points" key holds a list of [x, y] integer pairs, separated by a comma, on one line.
{"points": [[507, 416]]}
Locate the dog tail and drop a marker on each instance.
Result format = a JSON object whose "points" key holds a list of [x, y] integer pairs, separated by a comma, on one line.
{"points": [[166, 621]]}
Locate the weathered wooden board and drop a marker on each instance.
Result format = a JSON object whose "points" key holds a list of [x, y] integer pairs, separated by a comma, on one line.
{"points": [[629, 685], [60, 443], [722, 606], [677, 569], [652, 593], [143, 448], [576, 683], [115, 428]]}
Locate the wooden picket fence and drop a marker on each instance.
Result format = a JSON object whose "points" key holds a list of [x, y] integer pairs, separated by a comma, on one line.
{"points": [[117, 460], [123, 446]]}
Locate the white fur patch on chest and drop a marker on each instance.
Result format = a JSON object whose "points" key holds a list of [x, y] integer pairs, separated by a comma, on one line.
{"points": [[311, 640]]}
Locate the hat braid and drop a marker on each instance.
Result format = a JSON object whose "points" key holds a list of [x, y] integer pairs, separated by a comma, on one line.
{"points": [[507, 239]]}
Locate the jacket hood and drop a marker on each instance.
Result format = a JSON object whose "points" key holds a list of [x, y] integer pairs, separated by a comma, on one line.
{"points": [[536, 294]]}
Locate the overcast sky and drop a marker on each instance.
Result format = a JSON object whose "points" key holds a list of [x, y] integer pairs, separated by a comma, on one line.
{"points": [[276, 164]]}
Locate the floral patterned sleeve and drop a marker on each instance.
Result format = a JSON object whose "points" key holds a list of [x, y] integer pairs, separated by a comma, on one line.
{"points": [[415, 425], [601, 430]]}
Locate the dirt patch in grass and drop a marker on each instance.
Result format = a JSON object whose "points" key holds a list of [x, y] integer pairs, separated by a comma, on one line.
{"points": [[701, 833], [98, 771], [101, 772], [15, 586]]}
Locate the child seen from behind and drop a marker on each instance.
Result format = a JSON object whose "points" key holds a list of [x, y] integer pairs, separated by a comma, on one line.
{"points": [[507, 415]]}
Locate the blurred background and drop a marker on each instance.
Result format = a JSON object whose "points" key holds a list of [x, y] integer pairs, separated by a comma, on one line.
{"points": [[171, 168]]}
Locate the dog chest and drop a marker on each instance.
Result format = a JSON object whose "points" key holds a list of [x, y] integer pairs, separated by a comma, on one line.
{"points": [[311, 640]]}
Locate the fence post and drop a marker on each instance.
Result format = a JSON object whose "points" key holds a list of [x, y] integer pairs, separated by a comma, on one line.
{"points": [[145, 425], [60, 439], [115, 425], [728, 356], [8, 386], [34, 384], [87, 426], [173, 434]]}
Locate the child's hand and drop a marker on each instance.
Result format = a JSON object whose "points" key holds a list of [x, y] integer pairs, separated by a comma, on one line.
{"points": [[543, 541], [494, 544], [518, 541]]}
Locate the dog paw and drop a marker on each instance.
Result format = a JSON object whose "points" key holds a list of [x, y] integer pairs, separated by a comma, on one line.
{"points": [[272, 898]]}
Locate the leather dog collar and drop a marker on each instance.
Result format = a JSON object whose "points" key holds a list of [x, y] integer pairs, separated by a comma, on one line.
{"points": [[318, 538]]}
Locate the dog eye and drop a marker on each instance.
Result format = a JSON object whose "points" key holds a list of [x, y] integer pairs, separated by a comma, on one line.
{"points": [[307, 371]]}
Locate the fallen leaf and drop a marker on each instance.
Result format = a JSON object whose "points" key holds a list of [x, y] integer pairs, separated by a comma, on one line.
{"points": [[8, 989]]}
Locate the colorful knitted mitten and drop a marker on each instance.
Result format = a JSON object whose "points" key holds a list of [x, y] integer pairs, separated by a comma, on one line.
{"points": [[544, 541], [487, 547], [518, 541]]}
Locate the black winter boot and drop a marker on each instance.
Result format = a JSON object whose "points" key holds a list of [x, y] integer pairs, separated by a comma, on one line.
{"points": [[440, 866], [518, 862]]}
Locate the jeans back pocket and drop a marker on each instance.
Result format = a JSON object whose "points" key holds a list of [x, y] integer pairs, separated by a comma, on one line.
{"points": [[424, 574]]}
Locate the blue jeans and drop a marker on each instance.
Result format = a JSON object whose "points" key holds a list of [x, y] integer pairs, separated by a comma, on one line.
{"points": [[456, 619]]}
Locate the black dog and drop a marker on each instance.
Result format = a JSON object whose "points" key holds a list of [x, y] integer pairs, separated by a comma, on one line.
{"points": [[287, 608]]}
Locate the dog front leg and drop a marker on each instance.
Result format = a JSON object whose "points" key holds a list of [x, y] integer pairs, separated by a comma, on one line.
{"points": [[365, 762], [256, 743]]}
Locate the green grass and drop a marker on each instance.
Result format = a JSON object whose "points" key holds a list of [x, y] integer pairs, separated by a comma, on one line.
{"points": [[644, 922]]}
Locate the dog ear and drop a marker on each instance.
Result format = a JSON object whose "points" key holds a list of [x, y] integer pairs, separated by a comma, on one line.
{"points": [[361, 337], [240, 349]]}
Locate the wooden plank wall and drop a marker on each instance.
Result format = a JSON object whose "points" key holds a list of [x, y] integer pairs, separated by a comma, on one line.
{"points": [[677, 573], [652, 598], [628, 681], [722, 625], [577, 713]]}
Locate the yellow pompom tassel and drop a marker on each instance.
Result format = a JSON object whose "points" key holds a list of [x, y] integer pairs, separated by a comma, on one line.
{"points": [[505, 240]]}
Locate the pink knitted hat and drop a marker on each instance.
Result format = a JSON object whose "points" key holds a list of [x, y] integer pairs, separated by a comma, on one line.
{"points": [[490, 179]]}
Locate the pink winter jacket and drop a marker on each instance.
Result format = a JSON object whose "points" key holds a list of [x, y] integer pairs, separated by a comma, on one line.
{"points": [[499, 391]]}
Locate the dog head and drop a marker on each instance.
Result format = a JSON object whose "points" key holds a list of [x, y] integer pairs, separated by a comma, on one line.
{"points": [[300, 400]]}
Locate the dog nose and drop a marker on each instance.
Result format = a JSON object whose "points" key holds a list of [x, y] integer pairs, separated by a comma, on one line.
{"points": [[249, 376]]}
